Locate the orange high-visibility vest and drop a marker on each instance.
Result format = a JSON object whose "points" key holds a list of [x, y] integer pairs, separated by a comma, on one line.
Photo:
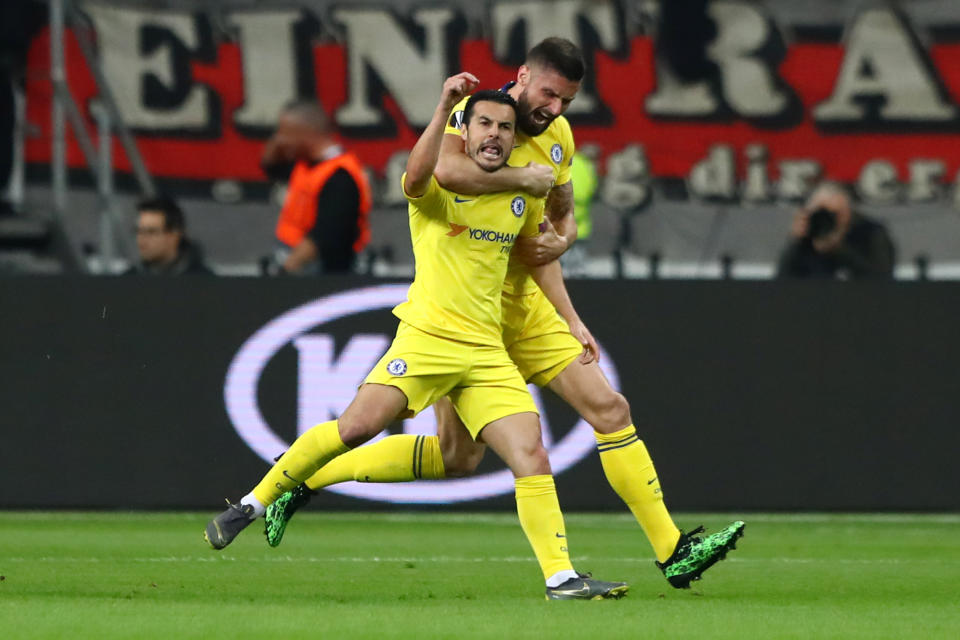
{"points": [[299, 213]]}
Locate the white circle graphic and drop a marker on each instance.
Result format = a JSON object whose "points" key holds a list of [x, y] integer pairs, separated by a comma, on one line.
{"points": [[243, 377]]}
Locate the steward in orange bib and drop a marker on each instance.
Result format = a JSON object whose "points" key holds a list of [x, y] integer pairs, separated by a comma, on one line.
{"points": [[323, 221]]}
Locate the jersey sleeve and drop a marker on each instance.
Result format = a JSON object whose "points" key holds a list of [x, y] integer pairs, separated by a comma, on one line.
{"points": [[569, 148], [433, 203], [534, 218], [456, 118]]}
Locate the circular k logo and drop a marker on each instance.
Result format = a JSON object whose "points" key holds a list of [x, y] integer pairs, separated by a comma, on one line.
{"points": [[327, 383]]}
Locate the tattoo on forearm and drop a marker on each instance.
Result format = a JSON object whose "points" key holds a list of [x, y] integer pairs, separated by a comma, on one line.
{"points": [[560, 202]]}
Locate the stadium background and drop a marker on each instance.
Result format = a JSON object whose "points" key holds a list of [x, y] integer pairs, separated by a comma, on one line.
{"points": [[697, 180], [772, 395]]}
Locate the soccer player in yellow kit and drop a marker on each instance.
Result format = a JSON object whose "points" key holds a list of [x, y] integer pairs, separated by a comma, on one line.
{"points": [[549, 350], [449, 343]]}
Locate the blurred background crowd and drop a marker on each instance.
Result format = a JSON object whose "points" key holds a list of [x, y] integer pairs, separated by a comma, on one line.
{"points": [[716, 139]]}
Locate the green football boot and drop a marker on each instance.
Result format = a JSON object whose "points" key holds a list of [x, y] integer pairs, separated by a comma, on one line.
{"points": [[583, 587], [280, 512], [693, 555]]}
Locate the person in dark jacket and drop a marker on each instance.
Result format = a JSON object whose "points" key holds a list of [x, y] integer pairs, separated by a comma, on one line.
{"points": [[830, 239], [162, 241]]}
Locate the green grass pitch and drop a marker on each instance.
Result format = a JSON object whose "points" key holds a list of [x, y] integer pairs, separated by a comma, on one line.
{"points": [[436, 575]]}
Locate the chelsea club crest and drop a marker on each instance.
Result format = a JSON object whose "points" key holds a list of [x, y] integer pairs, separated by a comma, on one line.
{"points": [[397, 367], [518, 206], [556, 153]]}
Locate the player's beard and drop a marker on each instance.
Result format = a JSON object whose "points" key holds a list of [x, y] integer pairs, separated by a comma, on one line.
{"points": [[525, 121]]}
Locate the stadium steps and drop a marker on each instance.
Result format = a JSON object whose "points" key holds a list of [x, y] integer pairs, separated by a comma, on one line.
{"points": [[31, 244]]}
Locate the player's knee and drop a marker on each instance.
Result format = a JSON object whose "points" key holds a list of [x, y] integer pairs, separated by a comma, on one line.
{"points": [[610, 412], [530, 458], [538, 461], [354, 431]]}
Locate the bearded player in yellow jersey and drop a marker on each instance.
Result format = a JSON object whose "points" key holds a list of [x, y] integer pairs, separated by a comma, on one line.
{"points": [[549, 350], [449, 343]]}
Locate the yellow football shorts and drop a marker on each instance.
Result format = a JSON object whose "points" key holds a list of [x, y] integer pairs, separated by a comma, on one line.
{"points": [[482, 381], [537, 338]]}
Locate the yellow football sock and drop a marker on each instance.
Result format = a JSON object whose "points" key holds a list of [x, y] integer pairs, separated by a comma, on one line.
{"points": [[542, 522], [310, 451], [630, 472], [399, 458]]}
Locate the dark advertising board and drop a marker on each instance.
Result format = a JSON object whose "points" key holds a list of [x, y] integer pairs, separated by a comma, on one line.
{"points": [[127, 393]]}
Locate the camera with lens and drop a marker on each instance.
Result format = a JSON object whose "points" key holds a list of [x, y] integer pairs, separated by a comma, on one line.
{"points": [[821, 222]]}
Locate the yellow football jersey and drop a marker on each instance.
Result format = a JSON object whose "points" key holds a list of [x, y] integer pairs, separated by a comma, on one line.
{"points": [[461, 248], [554, 148]]}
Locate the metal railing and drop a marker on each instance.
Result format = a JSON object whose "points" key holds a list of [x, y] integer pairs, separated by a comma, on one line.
{"points": [[99, 158]]}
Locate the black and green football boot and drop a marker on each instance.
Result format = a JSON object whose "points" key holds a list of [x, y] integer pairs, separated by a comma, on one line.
{"points": [[280, 512], [693, 555]]}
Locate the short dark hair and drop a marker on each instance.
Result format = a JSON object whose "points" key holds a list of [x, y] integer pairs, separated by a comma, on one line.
{"points": [[488, 95], [310, 112], [173, 219], [561, 55]]}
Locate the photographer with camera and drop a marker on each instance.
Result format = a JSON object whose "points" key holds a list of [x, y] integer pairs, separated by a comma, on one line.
{"points": [[831, 240]]}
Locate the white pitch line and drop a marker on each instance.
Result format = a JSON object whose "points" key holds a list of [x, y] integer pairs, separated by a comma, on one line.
{"points": [[503, 518], [836, 518], [457, 559], [626, 518]]}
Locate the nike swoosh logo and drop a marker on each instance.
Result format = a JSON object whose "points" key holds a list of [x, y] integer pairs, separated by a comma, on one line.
{"points": [[561, 536], [456, 229], [460, 200], [651, 481], [290, 476]]}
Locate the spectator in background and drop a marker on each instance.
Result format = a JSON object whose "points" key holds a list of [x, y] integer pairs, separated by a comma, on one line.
{"points": [[162, 241], [583, 174], [829, 239], [323, 223]]}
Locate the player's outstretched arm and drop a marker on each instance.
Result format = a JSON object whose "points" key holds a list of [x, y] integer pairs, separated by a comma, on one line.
{"points": [[423, 158], [458, 173], [549, 277]]}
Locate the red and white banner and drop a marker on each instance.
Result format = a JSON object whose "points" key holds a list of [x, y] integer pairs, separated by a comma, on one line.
{"points": [[869, 96]]}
